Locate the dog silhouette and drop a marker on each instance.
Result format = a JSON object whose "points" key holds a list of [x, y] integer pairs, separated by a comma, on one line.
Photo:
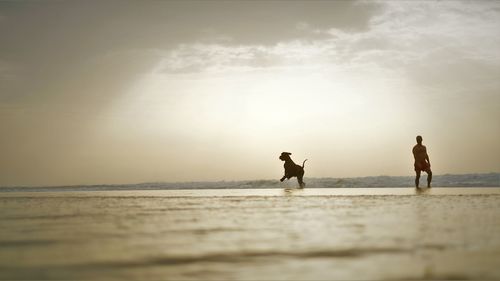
{"points": [[292, 169]]}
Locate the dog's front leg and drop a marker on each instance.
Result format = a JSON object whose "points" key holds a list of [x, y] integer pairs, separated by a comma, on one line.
{"points": [[286, 176]]}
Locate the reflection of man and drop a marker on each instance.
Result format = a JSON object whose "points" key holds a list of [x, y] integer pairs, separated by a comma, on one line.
{"points": [[422, 162]]}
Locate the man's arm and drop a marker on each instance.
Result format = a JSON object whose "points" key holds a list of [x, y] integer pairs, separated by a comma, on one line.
{"points": [[427, 156]]}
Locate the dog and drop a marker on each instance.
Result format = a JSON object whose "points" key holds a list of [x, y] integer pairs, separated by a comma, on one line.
{"points": [[292, 169]]}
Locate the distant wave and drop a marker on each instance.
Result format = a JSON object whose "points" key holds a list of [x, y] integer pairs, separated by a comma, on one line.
{"points": [[447, 180]]}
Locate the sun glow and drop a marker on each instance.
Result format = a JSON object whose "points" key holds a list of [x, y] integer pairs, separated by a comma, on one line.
{"points": [[253, 104], [264, 111]]}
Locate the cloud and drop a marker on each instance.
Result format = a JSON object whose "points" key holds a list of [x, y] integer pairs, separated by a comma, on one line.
{"points": [[437, 59], [399, 36], [199, 57], [196, 36], [56, 43]]}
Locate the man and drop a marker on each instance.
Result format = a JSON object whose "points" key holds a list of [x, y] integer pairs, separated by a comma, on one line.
{"points": [[422, 162]]}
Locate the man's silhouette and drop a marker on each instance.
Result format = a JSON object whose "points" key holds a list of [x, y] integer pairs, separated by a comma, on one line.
{"points": [[422, 162]]}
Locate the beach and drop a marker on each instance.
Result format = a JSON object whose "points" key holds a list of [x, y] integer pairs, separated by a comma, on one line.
{"points": [[249, 140], [251, 234]]}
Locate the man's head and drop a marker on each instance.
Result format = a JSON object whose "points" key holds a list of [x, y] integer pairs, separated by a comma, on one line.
{"points": [[285, 156], [419, 139]]}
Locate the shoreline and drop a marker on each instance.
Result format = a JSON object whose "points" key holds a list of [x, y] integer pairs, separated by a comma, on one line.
{"points": [[491, 179], [260, 192]]}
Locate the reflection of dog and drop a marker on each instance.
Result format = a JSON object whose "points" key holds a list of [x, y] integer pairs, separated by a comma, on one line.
{"points": [[292, 169]]}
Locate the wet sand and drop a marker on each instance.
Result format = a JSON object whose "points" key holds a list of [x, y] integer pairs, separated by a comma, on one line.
{"points": [[266, 234]]}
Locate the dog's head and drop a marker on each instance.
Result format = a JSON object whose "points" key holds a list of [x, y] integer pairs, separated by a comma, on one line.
{"points": [[285, 156]]}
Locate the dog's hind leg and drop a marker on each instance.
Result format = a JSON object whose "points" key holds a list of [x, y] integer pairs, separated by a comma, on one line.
{"points": [[302, 184]]}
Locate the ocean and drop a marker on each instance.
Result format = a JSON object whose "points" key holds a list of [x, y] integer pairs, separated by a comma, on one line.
{"points": [[447, 180]]}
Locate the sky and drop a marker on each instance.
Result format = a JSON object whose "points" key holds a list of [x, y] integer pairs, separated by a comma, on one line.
{"points": [[110, 92]]}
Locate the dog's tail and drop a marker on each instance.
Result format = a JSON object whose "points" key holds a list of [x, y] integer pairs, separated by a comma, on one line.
{"points": [[303, 163]]}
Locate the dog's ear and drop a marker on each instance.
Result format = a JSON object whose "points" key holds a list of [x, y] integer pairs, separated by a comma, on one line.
{"points": [[286, 153]]}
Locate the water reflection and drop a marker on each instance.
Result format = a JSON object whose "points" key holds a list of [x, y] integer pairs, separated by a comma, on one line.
{"points": [[421, 190], [292, 191]]}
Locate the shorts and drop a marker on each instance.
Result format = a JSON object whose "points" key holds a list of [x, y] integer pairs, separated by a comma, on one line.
{"points": [[422, 166]]}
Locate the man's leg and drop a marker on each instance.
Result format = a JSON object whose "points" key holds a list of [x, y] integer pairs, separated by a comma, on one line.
{"points": [[429, 178], [417, 178]]}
